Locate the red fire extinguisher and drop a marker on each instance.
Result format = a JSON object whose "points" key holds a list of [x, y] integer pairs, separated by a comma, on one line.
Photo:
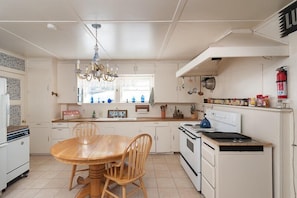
{"points": [[281, 82]]}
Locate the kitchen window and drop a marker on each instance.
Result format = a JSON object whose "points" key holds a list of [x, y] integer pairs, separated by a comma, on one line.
{"points": [[126, 88]]}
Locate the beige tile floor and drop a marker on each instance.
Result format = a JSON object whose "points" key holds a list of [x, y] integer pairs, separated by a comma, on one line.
{"points": [[49, 178]]}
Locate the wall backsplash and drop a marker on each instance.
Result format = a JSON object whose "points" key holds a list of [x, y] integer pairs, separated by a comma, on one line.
{"points": [[101, 110]]}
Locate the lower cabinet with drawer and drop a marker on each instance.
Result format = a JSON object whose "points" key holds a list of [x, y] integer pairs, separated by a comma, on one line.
{"points": [[208, 170], [236, 170], [60, 132]]}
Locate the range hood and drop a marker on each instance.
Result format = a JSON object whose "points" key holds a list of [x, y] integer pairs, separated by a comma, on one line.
{"points": [[232, 45]]}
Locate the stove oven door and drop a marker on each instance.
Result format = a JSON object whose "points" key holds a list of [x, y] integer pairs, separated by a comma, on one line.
{"points": [[190, 150], [19, 164]]}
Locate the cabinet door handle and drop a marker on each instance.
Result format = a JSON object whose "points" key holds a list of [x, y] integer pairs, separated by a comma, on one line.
{"points": [[22, 142]]}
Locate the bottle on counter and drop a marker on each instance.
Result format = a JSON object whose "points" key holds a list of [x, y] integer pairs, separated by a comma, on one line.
{"points": [[94, 114]]}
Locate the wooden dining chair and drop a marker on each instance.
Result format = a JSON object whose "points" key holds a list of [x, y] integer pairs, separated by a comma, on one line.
{"points": [[131, 168], [83, 131]]}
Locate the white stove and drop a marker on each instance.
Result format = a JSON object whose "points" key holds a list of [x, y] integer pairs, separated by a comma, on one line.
{"points": [[190, 140], [194, 128]]}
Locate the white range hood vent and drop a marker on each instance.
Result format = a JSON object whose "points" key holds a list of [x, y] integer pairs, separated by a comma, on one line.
{"points": [[232, 45]]}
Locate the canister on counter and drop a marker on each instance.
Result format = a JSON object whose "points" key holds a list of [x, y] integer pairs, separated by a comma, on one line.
{"points": [[259, 100], [252, 102]]}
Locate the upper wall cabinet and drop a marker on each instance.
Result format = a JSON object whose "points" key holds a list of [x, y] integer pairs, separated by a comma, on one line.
{"points": [[67, 83], [241, 43], [165, 83], [41, 83]]}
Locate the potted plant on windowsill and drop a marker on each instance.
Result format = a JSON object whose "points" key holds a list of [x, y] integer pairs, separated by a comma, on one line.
{"points": [[194, 112]]}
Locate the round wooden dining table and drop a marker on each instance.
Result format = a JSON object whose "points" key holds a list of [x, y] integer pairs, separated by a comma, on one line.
{"points": [[93, 151]]}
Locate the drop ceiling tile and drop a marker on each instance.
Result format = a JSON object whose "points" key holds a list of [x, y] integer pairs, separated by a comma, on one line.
{"points": [[69, 40], [32, 10], [132, 40], [16, 46], [128, 10], [231, 9]]}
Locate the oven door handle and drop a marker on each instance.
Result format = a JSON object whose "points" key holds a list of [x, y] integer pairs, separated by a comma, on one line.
{"points": [[190, 135]]}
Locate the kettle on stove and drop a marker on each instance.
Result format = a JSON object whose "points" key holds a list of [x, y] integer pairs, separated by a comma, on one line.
{"points": [[205, 123]]}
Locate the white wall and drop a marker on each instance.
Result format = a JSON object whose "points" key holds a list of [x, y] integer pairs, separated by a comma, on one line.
{"points": [[247, 77]]}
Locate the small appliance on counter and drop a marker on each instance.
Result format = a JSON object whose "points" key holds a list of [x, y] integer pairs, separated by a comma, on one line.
{"points": [[18, 139], [71, 114]]}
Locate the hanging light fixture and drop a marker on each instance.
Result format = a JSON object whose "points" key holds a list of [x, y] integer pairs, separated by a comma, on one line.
{"points": [[97, 70]]}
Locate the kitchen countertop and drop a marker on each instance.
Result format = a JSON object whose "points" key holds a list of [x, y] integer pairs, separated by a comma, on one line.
{"points": [[139, 119], [15, 128], [253, 142]]}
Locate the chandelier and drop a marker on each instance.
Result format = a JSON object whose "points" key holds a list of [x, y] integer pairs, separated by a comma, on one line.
{"points": [[96, 70]]}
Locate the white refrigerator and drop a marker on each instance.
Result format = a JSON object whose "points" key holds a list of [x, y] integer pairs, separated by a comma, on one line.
{"points": [[4, 122]]}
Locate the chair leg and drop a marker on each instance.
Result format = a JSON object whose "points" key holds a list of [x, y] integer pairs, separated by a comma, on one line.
{"points": [[104, 188], [124, 191], [143, 188], [72, 176]]}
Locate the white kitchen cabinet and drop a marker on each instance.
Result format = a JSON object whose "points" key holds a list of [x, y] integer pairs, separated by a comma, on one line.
{"points": [[60, 132], [151, 130], [161, 135], [66, 83], [231, 172], [40, 138], [129, 129], [71, 125], [174, 140], [106, 128], [165, 82]]}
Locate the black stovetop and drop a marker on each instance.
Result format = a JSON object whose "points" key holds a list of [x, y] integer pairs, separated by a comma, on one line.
{"points": [[227, 136]]}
